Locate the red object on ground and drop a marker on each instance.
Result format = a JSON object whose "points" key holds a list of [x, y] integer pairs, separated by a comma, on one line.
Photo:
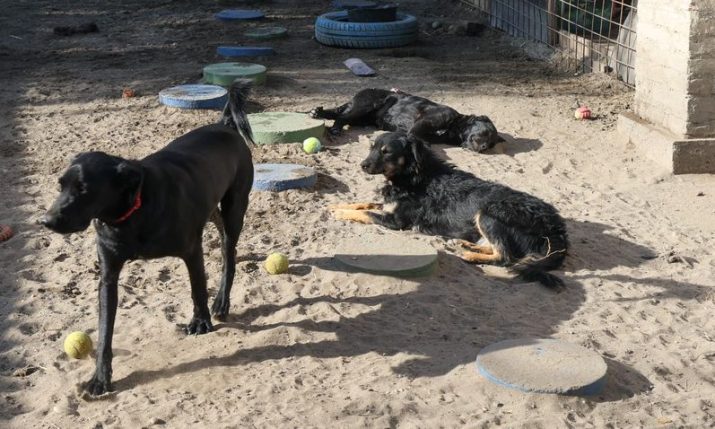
{"points": [[583, 113], [5, 233]]}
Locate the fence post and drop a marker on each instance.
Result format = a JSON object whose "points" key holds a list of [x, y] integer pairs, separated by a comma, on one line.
{"points": [[553, 23]]}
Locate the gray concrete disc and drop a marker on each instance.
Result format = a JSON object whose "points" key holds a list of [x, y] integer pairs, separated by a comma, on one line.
{"points": [[390, 255], [543, 366]]}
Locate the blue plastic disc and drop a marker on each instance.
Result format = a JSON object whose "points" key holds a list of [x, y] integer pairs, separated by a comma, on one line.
{"points": [[543, 366], [244, 51], [280, 177], [194, 97], [239, 15]]}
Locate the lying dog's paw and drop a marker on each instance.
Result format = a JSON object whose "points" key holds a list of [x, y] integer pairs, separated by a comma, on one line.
{"points": [[361, 216], [220, 307], [335, 131], [355, 206], [95, 388], [316, 113], [341, 214], [199, 326]]}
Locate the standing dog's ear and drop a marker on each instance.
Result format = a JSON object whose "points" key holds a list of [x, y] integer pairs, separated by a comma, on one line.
{"points": [[130, 175]]}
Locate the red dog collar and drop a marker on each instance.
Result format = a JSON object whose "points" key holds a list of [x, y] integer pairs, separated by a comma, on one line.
{"points": [[135, 207]]}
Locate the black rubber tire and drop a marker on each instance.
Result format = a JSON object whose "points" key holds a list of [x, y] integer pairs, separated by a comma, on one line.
{"points": [[332, 24]]}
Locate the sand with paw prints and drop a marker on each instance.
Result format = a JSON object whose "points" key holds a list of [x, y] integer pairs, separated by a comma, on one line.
{"points": [[320, 347]]}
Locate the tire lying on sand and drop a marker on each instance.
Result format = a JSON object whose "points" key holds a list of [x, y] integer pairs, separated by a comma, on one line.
{"points": [[334, 29]]}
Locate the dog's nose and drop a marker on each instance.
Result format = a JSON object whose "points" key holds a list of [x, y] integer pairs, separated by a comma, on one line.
{"points": [[364, 166]]}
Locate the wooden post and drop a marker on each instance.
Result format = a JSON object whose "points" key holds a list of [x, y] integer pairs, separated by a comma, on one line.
{"points": [[553, 22]]}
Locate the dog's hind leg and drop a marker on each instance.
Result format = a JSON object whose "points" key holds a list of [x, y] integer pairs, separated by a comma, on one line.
{"points": [[201, 321], [476, 247], [481, 258], [217, 220], [361, 110], [331, 114], [496, 235], [233, 211]]}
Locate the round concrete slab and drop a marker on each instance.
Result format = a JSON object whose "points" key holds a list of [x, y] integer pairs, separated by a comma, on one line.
{"points": [[389, 255], [244, 51], [284, 127], [194, 97], [265, 33], [280, 177], [543, 366], [225, 73], [239, 15]]}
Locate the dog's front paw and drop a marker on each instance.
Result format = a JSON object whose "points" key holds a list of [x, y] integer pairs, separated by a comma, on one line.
{"points": [[360, 216], [199, 326], [316, 113], [355, 206], [220, 307], [341, 214], [96, 387], [334, 131]]}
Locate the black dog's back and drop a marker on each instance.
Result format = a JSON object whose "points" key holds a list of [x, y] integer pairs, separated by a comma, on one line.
{"points": [[212, 155]]}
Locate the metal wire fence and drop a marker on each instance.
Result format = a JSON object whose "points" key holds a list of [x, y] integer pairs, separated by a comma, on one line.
{"points": [[595, 35]]}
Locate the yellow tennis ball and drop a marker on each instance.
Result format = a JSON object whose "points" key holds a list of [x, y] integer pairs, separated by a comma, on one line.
{"points": [[78, 345], [311, 145], [276, 263]]}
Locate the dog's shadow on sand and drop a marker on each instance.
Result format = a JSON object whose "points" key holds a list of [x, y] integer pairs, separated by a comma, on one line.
{"points": [[327, 184], [510, 147], [514, 145], [597, 246], [441, 323]]}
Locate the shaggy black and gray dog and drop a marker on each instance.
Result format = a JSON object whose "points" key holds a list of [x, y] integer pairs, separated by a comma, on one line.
{"points": [[495, 224], [423, 119]]}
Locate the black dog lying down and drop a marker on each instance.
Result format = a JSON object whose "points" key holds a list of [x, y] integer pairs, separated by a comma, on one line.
{"points": [[156, 207], [421, 118], [496, 224]]}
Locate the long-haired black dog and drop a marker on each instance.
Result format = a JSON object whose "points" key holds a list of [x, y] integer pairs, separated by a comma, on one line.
{"points": [[421, 118], [157, 207], [496, 224]]}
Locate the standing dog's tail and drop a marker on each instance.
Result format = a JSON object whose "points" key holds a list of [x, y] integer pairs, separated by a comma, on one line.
{"points": [[534, 267], [234, 114]]}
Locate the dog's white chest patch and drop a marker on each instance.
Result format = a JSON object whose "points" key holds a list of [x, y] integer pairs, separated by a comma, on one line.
{"points": [[389, 208]]}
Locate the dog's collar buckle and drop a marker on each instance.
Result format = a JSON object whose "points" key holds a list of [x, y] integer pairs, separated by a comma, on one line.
{"points": [[135, 207]]}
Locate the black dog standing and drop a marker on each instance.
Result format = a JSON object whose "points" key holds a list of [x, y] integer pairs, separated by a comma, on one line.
{"points": [[423, 119], [157, 207]]}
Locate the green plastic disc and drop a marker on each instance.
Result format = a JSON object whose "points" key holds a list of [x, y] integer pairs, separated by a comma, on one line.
{"points": [[284, 127], [264, 33], [225, 73]]}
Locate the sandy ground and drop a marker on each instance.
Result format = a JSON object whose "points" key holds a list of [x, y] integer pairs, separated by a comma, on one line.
{"points": [[319, 347]]}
